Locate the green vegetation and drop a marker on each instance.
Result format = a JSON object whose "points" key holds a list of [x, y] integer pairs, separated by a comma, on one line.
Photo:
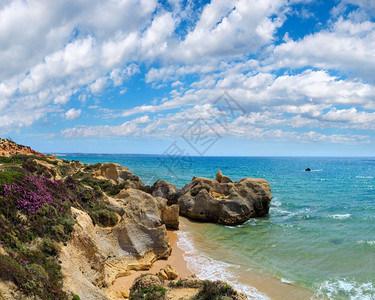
{"points": [[216, 290], [100, 184], [76, 297], [10, 177], [152, 293], [104, 217], [36, 219], [179, 283]]}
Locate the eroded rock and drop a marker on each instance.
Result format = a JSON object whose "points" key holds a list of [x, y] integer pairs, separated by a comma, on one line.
{"points": [[118, 174], [166, 190], [225, 202]]}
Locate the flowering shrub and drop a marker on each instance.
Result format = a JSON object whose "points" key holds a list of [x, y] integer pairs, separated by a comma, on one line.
{"points": [[32, 193]]}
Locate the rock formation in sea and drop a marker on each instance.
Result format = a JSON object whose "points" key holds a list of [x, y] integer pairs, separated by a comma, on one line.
{"points": [[90, 224], [225, 202]]}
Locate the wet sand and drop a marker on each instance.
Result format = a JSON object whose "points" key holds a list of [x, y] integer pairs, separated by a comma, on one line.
{"points": [[269, 286]]}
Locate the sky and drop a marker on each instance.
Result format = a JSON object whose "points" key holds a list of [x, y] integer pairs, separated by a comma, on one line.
{"points": [[220, 77]]}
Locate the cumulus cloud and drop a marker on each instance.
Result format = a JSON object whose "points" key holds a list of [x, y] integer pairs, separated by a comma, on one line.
{"points": [[73, 114], [348, 46], [293, 90]]}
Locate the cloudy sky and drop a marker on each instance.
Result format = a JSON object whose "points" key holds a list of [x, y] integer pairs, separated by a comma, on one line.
{"points": [[135, 76]]}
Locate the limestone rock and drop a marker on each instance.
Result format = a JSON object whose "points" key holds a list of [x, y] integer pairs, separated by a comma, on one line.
{"points": [[118, 174], [153, 211], [167, 273], [225, 203], [9, 148], [222, 178], [166, 190], [96, 256], [170, 216]]}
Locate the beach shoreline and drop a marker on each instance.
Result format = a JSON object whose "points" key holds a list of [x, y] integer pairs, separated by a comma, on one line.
{"points": [[269, 287]]}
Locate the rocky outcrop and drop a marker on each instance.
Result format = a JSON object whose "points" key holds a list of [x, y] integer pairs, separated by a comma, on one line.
{"points": [[166, 190], [224, 202], [222, 178], [160, 286], [170, 216], [153, 211], [168, 273], [96, 256], [9, 148], [118, 174]]}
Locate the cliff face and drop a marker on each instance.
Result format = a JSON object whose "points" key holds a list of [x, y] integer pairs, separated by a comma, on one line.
{"points": [[9, 148]]}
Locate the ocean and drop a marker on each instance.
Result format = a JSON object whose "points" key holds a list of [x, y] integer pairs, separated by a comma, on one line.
{"points": [[319, 234]]}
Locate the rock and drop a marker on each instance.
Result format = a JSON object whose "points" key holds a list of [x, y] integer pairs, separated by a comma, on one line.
{"points": [[166, 190], [170, 216], [308, 170], [152, 210], [224, 203], [95, 256], [144, 283], [167, 273], [118, 174], [149, 286], [221, 178], [9, 148]]}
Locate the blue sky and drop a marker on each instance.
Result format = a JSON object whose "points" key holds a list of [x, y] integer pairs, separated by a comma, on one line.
{"points": [[295, 77]]}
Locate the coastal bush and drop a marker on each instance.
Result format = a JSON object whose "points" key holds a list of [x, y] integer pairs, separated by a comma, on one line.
{"points": [[10, 177], [152, 293], [216, 290], [49, 247], [76, 297], [179, 283], [104, 217]]}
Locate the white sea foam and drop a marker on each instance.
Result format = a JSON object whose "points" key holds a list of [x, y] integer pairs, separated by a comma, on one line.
{"points": [[340, 216], [365, 177], [286, 281], [275, 203], [207, 268], [371, 243], [345, 289]]}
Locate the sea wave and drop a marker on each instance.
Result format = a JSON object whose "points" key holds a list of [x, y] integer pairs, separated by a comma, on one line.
{"points": [[345, 289], [275, 203], [207, 268], [340, 216], [365, 177], [286, 281], [371, 243]]}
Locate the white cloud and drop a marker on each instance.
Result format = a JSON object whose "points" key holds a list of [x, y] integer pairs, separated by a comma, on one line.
{"points": [[80, 48], [348, 46], [98, 85], [231, 28], [73, 114]]}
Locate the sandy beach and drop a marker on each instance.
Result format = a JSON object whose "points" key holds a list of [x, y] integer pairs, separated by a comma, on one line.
{"points": [[269, 286]]}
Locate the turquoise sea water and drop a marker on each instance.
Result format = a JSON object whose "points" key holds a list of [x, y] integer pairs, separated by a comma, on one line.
{"points": [[320, 232]]}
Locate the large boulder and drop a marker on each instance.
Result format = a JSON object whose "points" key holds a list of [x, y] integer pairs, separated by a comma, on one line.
{"points": [[152, 211], [166, 190], [224, 202], [118, 174]]}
